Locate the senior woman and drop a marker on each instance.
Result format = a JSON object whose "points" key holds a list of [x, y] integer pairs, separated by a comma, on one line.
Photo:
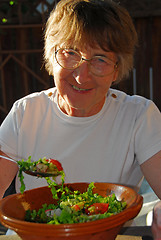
{"points": [[97, 133]]}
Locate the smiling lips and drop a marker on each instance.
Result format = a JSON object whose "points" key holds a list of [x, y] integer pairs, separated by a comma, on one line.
{"points": [[80, 89]]}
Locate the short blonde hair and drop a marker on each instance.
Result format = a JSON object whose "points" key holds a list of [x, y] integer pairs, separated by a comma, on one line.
{"points": [[92, 22]]}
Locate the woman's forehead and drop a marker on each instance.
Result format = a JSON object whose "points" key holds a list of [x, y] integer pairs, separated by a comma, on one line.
{"points": [[84, 46]]}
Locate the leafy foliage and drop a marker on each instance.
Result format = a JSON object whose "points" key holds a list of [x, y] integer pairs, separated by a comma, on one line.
{"points": [[72, 206]]}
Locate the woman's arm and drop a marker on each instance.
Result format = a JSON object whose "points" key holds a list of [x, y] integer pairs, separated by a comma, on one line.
{"points": [[8, 171], [152, 171]]}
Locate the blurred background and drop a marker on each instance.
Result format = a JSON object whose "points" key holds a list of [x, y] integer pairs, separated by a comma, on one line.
{"points": [[21, 59]]}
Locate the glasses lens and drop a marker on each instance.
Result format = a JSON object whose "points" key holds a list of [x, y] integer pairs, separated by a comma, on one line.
{"points": [[68, 58], [101, 66]]}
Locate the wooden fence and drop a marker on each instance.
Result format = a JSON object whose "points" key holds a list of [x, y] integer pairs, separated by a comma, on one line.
{"points": [[145, 79]]}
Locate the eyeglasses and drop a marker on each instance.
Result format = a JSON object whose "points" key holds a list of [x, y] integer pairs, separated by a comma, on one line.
{"points": [[71, 59]]}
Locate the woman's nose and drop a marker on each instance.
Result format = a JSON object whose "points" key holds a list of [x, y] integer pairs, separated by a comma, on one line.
{"points": [[82, 73]]}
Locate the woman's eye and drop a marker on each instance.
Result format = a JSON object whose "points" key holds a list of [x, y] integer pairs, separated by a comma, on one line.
{"points": [[71, 53], [104, 61], [101, 60]]}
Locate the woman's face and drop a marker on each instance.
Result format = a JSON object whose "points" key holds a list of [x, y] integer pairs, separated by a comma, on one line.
{"points": [[81, 93]]}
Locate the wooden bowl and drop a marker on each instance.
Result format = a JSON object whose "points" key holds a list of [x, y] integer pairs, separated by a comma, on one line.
{"points": [[13, 207]]}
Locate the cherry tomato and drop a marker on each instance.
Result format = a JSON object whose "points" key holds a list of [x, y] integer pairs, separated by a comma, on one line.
{"points": [[76, 207], [56, 163], [97, 208]]}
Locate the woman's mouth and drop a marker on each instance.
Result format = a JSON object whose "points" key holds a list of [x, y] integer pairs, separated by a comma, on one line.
{"points": [[80, 89]]}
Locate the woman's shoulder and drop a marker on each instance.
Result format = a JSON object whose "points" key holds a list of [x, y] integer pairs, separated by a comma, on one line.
{"points": [[36, 98], [125, 99], [133, 103]]}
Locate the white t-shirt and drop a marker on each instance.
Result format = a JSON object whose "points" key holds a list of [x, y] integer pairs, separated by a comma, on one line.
{"points": [[106, 147]]}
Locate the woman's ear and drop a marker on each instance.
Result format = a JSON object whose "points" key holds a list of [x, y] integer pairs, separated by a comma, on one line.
{"points": [[115, 75]]}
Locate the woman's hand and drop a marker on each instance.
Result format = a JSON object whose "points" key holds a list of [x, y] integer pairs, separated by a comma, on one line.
{"points": [[156, 224]]}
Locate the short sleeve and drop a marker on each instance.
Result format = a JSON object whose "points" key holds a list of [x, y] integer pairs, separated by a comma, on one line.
{"points": [[147, 132], [9, 130]]}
